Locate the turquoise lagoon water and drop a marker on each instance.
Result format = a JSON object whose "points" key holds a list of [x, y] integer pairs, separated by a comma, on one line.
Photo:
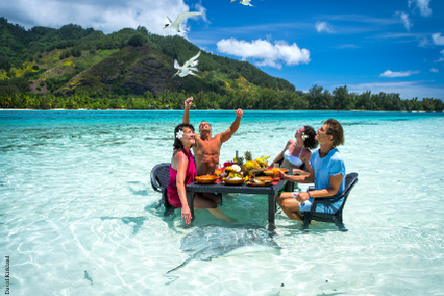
{"points": [[78, 215]]}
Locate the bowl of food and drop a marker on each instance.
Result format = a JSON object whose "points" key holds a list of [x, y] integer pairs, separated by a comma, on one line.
{"points": [[234, 179], [207, 179]]}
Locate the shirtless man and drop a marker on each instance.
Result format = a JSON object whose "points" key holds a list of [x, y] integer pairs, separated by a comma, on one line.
{"points": [[207, 148]]}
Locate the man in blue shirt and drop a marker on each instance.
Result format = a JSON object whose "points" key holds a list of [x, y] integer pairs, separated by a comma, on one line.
{"points": [[328, 174]]}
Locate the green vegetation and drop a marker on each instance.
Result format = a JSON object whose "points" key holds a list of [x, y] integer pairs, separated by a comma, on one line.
{"points": [[264, 99], [73, 67], [136, 40]]}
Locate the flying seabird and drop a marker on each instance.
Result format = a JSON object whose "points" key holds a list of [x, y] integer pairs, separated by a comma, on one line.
{"points": [[175, 25], [184, 70], [246, 2], [192, 62]]}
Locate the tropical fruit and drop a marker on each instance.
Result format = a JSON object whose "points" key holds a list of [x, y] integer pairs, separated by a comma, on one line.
{"points": [[262, 161]]}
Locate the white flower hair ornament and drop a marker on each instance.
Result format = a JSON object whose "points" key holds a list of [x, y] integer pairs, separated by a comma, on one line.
{"points": [[304, 136], [179, 134]]}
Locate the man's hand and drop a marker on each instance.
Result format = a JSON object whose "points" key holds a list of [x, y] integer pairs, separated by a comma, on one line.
{"points": [[186, 113], [303, 196], [282, 175], [239, 112], [188, 102]]}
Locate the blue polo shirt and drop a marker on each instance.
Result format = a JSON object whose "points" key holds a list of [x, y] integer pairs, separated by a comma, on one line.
{"points": [[330, 165]]}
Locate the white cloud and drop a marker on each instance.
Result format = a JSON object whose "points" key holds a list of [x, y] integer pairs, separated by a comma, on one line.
{"points": [[267, 54], [202, 9], [441, 58], [424, 42], [323, 26], [391, 74], [433, 70], [423, 6], [347, 46], [404, 37], [438, 39], [107, 16], [405, 19]]}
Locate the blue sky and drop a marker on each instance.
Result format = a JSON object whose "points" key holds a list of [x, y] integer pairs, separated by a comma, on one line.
{"points": [[390, 46]]}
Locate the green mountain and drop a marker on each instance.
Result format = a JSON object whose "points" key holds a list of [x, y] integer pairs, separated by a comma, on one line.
{"points": [[73, 67], [131, 70], [72, 59]]}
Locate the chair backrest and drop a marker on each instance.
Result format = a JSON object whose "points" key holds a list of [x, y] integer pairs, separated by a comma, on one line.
{"points": [[159, 176], [350, 181]]}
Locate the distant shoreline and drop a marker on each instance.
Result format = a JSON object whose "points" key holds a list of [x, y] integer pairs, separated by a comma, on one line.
{"points": [[331, 110]]}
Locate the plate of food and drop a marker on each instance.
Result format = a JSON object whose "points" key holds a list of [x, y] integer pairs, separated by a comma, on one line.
{"points": [[266, 179], [206, 179], [274, 171], [260, 182]]}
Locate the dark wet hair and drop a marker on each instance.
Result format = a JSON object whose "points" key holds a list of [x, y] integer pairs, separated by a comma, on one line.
{"points": [[310, 142], [334, 128], [177, 143]]}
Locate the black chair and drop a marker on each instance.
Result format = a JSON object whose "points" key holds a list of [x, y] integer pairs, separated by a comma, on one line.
{"points": [[159, 181], [350, 181]]}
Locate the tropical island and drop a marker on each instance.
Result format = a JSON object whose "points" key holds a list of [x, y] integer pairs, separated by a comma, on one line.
{"points": [[72, 67]]}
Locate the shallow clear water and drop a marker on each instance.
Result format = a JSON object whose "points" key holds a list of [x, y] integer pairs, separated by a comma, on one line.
{"points": [[78, 215]]}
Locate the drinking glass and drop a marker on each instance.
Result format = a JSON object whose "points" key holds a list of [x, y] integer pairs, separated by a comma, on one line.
{"points": [[218, 170]]}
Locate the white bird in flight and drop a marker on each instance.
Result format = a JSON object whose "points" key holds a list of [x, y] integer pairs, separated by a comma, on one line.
{"points": [[192, 62], [175, 25], [246, 2], [184, 70]]}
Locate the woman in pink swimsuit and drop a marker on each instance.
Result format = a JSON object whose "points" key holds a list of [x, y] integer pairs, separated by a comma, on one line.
{"points": [[183, 172]]}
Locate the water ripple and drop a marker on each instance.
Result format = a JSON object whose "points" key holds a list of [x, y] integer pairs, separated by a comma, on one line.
{"points": [[78, 215]]}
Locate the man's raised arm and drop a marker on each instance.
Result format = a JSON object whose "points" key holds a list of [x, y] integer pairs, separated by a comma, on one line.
{"points": [[186, 113], [225, 136]]}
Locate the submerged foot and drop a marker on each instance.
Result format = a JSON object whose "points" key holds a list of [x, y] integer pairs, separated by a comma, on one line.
{"points": [[230, 220]]}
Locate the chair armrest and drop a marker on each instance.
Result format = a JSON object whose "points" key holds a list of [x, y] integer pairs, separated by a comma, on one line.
{"points": [[327, 200], [156, 188], [159, 177], [155, 184]]}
